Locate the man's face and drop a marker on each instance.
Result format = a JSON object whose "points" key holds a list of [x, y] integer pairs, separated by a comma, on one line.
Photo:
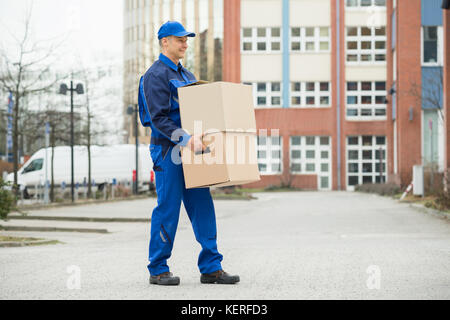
{"points": [[176, 46]]}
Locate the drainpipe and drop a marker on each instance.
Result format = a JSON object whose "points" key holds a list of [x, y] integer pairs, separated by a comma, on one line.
{"points": [[338, 88], [286, 74]]}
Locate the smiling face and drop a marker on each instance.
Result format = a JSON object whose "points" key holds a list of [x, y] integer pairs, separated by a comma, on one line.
{"points": [[174, 47]]}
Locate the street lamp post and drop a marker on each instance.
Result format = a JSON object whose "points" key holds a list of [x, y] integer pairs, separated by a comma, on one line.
{"points": [[79, 90], [134, 109]]}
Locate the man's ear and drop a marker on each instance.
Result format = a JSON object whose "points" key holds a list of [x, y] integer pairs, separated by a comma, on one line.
{"points": [[167, 39], [164, 42]]}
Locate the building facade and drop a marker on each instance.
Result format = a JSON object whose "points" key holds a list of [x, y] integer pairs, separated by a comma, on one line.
{"points": [[355, 92], [346, 92]]}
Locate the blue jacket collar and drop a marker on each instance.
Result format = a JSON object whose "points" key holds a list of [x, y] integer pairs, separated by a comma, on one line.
{"points": [[169, 62]]}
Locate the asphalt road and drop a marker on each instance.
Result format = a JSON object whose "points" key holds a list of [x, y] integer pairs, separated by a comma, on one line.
{"points": [[291, 245]]}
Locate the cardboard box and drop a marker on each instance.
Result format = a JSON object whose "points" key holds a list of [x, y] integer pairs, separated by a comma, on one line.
{"points": [[224, 113]]}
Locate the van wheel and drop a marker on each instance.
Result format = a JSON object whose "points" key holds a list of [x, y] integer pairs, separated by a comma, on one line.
{"points": [[26, 195]]}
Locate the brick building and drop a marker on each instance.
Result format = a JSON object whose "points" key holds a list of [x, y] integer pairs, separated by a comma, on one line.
{"points": [[348, 91]]}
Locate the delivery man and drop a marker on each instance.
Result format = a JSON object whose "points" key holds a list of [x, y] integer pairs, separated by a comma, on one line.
{"points": [[159, 110]]}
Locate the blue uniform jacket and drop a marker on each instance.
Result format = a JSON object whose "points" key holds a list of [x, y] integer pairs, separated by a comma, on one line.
{"points": [[158, 100]]}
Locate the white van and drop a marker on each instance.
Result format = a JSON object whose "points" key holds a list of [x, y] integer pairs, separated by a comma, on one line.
{"points": [[108, 164]]}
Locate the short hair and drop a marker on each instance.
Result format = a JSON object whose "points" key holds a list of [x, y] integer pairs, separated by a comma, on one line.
{"points": [[160, 41]]}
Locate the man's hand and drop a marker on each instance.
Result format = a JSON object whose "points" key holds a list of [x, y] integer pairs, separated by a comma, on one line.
{"points": [[195, 143]]}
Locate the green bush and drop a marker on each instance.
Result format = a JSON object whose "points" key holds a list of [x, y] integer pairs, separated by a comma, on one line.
{"points": [[6, 200], [271, 187], [384, 189], [227, 190], [443, 200]]}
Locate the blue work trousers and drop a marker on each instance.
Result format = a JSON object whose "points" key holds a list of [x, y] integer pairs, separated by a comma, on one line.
{"points": [[171, 190]]}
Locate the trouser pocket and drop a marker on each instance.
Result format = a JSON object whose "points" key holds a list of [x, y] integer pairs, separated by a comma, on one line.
{"points": [[165, 151]]}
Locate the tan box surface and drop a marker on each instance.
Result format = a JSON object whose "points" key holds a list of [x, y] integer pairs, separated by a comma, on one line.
{"points": [[224, 112]]}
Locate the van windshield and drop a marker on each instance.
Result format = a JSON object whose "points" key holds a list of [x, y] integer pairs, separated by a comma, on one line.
{"points": [[34, 166]]}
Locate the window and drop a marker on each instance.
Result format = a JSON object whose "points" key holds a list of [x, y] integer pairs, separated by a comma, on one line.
{"points": [[270, 154], [310, 39], [310, 94], [311, 155], [366, 45], [266, 94], [366, 100], [365, 3], [366, 160], [261, 39], [432, 46], [35, 165]]}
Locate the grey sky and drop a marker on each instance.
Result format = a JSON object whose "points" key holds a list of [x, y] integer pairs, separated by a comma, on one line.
{"points": [[93, 27], [92, 30]]}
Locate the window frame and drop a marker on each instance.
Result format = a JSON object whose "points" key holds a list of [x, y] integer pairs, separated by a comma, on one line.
{"points": [[359, 93], [360, 148], [318, 161], [303, 94], [268, 39], [440, 47], [303, 39], [359, 39], [359, 6], [269, 160], [268, 94]]}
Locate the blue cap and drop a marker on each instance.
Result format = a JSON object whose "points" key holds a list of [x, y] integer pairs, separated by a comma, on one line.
{"points": [[173, 28]]}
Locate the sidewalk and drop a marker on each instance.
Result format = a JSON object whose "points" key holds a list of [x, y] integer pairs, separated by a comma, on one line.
{"points": [[67, 224], [110, 209]]}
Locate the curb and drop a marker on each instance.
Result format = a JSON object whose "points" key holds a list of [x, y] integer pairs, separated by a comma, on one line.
{"points": [[51, 229], [422, 208], [70, 204], [434, 212], [27, 243], [83, 219], [79, 203]]}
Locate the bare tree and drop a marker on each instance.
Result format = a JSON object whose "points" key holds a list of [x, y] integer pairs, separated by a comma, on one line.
{"points": [[25, 75], [59, 123], [286, 178], [59, 134], [93, 128], [431, 96]]}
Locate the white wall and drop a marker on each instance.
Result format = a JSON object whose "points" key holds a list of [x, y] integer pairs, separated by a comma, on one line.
{"points": [[310, 67], [365, 73], [310, 13], [261, 13], [368, 17], [263, 67]]}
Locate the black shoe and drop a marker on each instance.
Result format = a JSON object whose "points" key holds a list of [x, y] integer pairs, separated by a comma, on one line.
{"points": [[220, 277], [165, 279]]}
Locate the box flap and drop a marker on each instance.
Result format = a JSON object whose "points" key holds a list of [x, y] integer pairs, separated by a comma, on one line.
{"points": [[217, 106], [196, 83]]}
